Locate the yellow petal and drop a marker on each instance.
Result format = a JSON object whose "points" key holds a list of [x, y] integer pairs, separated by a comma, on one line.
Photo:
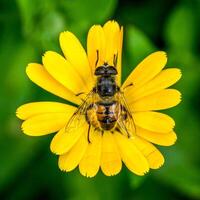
{"points": [[96, 42], [41, 77], [119, 60], [44, 124], [110, 159], [63, 141], [90, 163], [147, 69], [76, 55], [163, 99], [154, 121], [163, 80], [36, 108], [164, 139], [107, 41], [69, 161], [112, 38], [61, 69], [131, 156], [153, 156]]}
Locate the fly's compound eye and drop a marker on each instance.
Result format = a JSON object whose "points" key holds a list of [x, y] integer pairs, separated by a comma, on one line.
{"points": [[105, 71], [100, 71], [110, 70]]}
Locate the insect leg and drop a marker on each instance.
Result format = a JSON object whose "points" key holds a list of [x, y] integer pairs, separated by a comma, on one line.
{"points": [[88, 134], [129, 85], [122, 126], [80, 93]]}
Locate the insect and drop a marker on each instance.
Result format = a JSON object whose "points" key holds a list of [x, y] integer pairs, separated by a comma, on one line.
{"points": [[105, 107]]}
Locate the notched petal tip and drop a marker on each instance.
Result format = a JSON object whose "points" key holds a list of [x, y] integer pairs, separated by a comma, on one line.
{"points": [[142, 173], [18, 113], [65, 34], [111, 172], [177, 72], [47, 54], [29, 67], [159, 165], [179, 97], [111, 23], [88, 175], [173, 139], [24, 129]]}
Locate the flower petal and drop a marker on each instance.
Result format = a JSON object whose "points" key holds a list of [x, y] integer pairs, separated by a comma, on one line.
{"points": [[69, 161], [76, 55], [131, 156], [63, 141], [41, 77], [61, 69], [96, 43], [147, 69], [154, 121], [90, 163], [153, 156], [119, 56], [107, 43], [163, 139], [110, 159], [36, 108], [112, 33], [163, 80], [163, 99], [44, 124]]}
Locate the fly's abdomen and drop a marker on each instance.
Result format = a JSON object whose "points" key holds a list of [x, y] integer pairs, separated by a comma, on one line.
{"points": [[107, 115]]}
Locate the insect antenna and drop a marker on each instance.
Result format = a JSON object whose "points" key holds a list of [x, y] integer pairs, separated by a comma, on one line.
{"points": [[97, 58], [115, 59]]}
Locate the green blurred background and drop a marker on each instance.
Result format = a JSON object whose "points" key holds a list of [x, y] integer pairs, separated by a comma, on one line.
{"points": [[28, 170]]}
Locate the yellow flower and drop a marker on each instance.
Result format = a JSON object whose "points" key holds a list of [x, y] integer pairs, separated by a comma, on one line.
{"points": [[71, 77]]}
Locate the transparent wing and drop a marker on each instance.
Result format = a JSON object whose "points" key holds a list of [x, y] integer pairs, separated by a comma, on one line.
{"points": [[78, 119], [125, 122]]}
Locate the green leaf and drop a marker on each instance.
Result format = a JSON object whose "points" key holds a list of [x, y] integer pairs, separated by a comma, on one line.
{"points": [[181, 29]]}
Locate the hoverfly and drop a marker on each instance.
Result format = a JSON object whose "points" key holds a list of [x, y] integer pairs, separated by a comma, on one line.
{"points": [[105, 107]]}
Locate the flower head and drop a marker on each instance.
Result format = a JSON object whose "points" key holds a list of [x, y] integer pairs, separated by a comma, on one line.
{"points": [[103, 130]]}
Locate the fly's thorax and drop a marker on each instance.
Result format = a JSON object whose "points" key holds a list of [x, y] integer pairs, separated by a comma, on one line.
{"points": [[106, 86], [106, 81]]}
